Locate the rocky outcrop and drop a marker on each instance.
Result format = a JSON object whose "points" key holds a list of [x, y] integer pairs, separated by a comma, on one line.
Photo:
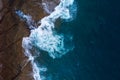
{"points": [[13, 63]]}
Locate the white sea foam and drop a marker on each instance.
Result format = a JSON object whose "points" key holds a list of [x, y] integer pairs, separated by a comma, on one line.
{"points": [[43, 36]]}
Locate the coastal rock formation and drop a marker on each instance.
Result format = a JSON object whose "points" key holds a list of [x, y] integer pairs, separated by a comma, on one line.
{"points": [[13, 62]]}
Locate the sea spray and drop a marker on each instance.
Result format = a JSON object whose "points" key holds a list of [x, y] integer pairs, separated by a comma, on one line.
{"points": [[44, 37]]}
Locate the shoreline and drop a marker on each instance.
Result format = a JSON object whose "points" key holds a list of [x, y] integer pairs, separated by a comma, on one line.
{"points": [[11, 34]]}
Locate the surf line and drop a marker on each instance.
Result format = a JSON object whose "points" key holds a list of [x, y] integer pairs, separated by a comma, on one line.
{"points": [[43, 36]]}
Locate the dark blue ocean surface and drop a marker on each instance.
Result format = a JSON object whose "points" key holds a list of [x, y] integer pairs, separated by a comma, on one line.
{"points": [[96, 55]]}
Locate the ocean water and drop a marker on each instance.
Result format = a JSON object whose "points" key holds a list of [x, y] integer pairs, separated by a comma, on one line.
{"points": [[94, 47], [97, 40]]}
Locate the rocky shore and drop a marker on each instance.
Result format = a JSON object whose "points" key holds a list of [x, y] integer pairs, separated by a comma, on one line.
{"points": [[13, 62]]}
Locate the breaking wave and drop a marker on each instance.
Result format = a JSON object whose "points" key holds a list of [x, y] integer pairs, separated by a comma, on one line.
{"points": [[44, 36]]}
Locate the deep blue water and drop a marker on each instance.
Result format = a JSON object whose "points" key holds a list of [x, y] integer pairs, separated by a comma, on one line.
{"points": [[96, 55]]}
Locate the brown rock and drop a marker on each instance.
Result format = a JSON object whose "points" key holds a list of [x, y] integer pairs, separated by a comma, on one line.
{"points": [[13, 63]]}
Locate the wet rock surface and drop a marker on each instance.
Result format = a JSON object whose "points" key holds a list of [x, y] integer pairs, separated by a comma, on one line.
{"points": [[13, 62]]}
